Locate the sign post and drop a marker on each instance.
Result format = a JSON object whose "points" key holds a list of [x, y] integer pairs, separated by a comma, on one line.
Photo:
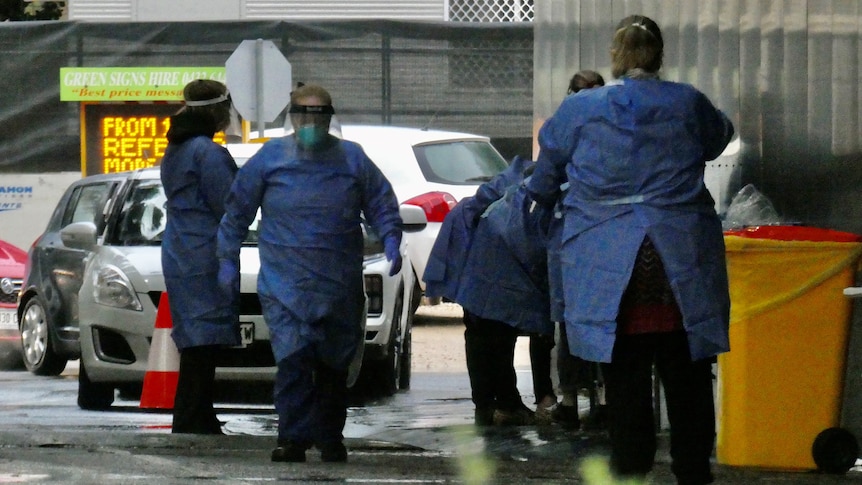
{"points": [[259, 80]]}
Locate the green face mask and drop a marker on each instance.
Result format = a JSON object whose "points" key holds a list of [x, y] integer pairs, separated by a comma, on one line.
{"points": [[309, 136]]}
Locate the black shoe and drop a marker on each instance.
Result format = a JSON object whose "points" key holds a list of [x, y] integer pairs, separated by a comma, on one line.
{"points": [[520, 416], [212, 429], [289, 453], [567, 416], [199, 425], [597, 419], [700, 479], [333, 452], [214, 426], [483, 416]]}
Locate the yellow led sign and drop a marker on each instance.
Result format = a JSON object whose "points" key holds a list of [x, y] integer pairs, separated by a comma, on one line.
{"points": [[129, 143], [123, 137]]}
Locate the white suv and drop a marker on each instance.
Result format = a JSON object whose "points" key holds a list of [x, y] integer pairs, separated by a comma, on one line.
{"points": [[430, 169]]}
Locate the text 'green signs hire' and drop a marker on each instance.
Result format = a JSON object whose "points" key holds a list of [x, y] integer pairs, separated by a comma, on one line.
{"points": [[131, 83]]}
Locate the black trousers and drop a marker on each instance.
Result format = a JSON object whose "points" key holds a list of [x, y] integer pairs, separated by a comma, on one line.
{"points": [[490, 352], [541, 347], [574, 373], [690, 407], [310, 399], [193, 403]]}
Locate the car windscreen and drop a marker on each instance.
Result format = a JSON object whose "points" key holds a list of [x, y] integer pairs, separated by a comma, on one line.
{"points": [[143, 217], [459, 162]]}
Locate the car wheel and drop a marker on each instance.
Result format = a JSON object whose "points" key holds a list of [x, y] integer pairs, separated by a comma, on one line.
{"points": [[416, 297], [38, 345], [132, 392], [835, 451], [381, 377], [93, 396], [406, 357], [389, 368]]}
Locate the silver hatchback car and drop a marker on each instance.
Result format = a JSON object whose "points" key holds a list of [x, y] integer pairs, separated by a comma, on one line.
{"points": [[48, 301], [122, 284]]}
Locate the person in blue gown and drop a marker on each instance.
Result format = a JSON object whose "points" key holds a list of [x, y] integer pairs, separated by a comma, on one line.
{"points": [[490, 257], [197, 174], [643, 262], [312, 190]]}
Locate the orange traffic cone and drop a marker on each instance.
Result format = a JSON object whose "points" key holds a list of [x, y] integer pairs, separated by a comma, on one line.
{"points": [[163, 363]]}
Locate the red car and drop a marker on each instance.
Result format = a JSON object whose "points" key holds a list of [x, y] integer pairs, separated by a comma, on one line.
{"points": [[12, 260]]}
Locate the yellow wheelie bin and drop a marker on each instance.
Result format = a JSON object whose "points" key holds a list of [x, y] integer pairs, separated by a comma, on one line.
{"points": [[780, 386]]}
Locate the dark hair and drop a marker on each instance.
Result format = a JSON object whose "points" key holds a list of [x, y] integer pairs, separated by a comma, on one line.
{"points": [[585, 79], [637, 44], [217, 112]]}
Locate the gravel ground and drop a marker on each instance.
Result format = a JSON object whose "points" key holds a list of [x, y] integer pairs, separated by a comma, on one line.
{"points": [[443, 350]]}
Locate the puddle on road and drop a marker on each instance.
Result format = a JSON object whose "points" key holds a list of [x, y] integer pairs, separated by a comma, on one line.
{"points": [[441, 426]]}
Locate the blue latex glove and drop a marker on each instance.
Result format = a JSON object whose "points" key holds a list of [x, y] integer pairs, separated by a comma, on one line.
{"points": [[392, 249], [228, 279]]}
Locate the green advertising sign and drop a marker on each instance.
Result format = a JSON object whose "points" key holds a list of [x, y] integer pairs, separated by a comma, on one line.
{"points": [[131, 83]]}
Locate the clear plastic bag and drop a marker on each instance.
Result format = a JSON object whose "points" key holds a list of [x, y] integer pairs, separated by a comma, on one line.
{"points": [[750, 207]]}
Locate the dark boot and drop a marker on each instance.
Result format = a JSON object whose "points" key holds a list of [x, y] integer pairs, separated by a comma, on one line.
{"points": [[193, 404], [289, 452], [334, 452]]}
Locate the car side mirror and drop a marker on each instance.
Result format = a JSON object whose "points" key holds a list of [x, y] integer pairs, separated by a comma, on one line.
{"points": [[79, 235], [413, 217]]}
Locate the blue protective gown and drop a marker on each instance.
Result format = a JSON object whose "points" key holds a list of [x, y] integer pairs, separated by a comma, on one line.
{"points": [[310, 240], [634, 153], [490, 255], [196, 174], [445, 267], [555, 268]]}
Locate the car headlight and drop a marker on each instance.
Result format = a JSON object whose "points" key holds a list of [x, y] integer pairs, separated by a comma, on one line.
{"points": [[112, 288], [374, 294], [373, 258]]}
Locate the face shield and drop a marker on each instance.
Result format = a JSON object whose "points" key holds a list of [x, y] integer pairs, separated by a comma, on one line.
{"points": [[234, 126], [208, 102], [334, 127], [229, 120], [310, 123]]}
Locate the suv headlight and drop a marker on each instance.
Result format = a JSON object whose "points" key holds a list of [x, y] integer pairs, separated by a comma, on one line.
{"points": [[112, 288], [373, 258], [374, 294]]}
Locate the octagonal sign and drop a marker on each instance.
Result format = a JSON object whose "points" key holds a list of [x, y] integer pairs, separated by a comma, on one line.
{"points": [[259, 80]]}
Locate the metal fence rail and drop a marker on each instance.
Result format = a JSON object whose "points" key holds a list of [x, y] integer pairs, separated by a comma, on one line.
{"points": [[464, 76]]}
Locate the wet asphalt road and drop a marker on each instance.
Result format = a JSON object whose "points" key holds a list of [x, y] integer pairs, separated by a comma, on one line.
{"points": [[424, 435]]}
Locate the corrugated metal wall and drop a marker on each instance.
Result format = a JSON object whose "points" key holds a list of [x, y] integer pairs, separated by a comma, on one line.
{"points": [[184, 10], [786, 71]]}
